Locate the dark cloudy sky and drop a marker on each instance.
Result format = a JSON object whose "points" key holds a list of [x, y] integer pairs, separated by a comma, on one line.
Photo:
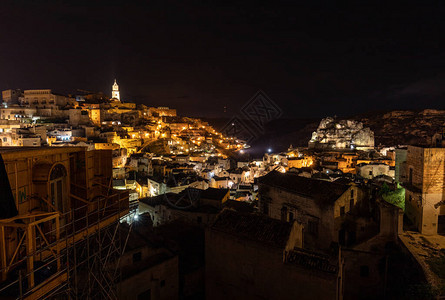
{"points": [[314, 59]]}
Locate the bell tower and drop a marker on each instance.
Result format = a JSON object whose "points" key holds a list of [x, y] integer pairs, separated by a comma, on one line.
{"points": [[115, 91]]}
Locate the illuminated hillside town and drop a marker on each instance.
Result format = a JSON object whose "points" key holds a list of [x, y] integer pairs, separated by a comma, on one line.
{"points": [[273, 150], [96, 186]]}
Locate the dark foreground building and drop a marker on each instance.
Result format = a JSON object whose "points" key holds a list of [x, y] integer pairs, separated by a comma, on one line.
{"points": [[250, 256]]}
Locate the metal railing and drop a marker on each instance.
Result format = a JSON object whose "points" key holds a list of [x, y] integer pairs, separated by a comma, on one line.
{"points": [[44, 264]]}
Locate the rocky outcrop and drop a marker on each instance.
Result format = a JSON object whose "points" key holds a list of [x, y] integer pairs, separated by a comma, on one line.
{"points": [[341, 134]]}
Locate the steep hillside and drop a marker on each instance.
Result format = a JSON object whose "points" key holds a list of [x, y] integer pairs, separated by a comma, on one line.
{"points": [[401, 127], [390, 128], [404, 127]]}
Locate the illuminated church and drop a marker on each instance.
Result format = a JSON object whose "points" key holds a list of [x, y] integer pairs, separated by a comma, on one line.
{"points": [[115, 92]]}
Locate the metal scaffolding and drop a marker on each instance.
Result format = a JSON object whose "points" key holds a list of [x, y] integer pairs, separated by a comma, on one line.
{"points": [[73, 254]]}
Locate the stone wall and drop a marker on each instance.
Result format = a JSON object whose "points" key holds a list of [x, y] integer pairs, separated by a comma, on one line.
{"points": [[425, 169], [157, 281], [306, 210]]}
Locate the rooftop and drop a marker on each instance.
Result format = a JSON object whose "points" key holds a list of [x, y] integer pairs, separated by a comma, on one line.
{"points": [[216, 178], [181, 199], [214, 194], [156, 200], [321, 190], [15, 152], [253, 227], [240, 206], [428, 251]]}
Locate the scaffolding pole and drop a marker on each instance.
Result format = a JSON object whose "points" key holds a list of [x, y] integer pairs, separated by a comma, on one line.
{"points": [[75, 259]]}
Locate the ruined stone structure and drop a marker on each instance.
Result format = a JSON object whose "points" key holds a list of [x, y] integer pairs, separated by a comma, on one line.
{"points": [[342, 134]]}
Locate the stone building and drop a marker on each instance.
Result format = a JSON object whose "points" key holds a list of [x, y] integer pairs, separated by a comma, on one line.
{"points": [[336, 160], [363, 262], [162, 112], [45, 99], [16, 112], [372, 170], [342, 134], [424, 184], [400, 164], [95, 115], [20, 137], [321, 206], [149, 270], [300, 162], [250, 256], [10, 97], [79, 117], [195, 206]]}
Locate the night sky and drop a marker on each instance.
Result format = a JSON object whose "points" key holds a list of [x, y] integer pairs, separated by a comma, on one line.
{"points": [[314, 59]]}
